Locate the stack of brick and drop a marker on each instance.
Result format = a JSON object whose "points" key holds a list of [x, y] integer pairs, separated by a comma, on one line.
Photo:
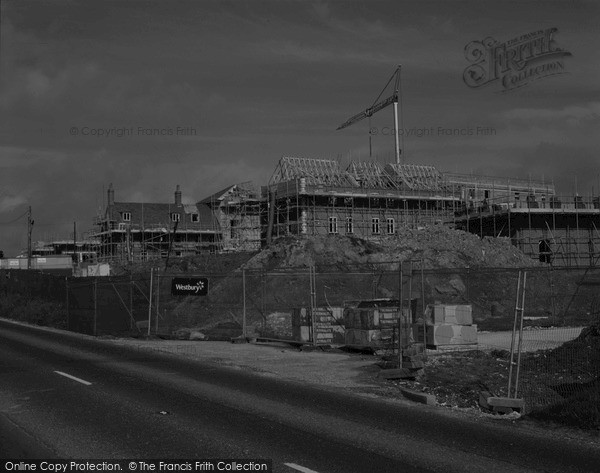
{"points": [[447, 325], [374, 323], [327, 325]]}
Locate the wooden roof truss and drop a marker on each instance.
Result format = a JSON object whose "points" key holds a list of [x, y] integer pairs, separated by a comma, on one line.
{"points": [[417, 177]]}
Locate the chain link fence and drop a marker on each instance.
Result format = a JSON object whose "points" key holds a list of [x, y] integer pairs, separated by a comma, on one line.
{"points": [[357, 306]]}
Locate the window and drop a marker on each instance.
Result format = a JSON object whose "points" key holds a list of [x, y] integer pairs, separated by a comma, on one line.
{"points": [[126, 216], [375, 225], [349, 225], [390, 226], [195, 218], [175, 217], [486, 194], [333, 225]]}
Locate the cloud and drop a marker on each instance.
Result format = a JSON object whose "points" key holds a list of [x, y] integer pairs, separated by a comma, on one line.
{"points": [[11, 202]]}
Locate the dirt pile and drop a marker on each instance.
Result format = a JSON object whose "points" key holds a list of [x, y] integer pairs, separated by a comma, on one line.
{"points": [[436, 247], [575, 380], [277, 278]]}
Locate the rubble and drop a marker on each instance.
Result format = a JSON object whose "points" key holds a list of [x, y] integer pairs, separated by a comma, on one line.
{"points": [[435, 246]]}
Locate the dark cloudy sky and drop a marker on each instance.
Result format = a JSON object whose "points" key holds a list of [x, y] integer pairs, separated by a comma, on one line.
{"points": [[257, 80]]}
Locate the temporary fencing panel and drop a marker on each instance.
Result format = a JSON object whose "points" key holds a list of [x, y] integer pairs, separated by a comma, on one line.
{"points": [[560, 345]]}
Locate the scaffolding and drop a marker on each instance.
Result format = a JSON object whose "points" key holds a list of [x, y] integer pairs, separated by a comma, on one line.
{"points": [[371, 200], [238, 211], [558, 230], [365, 199], [139, 231]]}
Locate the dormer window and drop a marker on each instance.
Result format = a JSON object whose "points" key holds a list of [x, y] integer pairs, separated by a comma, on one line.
{"points": [[126, 216], [175, 217]]}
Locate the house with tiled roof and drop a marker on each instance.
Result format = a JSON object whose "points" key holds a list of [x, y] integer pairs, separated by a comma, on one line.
{"points": [[142, 230]]}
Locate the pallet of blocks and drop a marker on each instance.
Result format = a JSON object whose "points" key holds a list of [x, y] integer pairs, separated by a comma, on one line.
{"points": [[326, 322], [447, 325], [373, 323]]}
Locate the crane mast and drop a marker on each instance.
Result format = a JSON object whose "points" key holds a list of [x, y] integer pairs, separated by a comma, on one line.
{"points": [[380, 105]]}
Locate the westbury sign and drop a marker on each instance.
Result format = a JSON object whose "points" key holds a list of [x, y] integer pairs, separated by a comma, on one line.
{"points": [[189, 286], [516, 62]]}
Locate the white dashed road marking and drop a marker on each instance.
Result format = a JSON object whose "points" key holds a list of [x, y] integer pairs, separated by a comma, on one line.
{"points": [[79, 380]]}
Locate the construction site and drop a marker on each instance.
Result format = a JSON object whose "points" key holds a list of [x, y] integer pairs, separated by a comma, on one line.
{"points": [[365, 199], [388, 257]]}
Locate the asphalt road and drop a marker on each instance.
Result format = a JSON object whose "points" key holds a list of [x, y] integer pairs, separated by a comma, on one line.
{"points": [[69, 396]]}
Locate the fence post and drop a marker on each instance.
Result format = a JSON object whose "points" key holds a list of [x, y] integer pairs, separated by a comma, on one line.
{"points": [[157, 301], [313, 301], [150, 302], [244, 302], [95, 307], [401, 304], [423, 289], [67, 302], [131, 319], [552, 295], [410, 281]]}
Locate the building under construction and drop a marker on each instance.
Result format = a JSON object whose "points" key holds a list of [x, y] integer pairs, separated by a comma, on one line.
{"points": [[365, 199], [368, 199], [238, 210], [559, 230], [371, 200], [134, 231]]}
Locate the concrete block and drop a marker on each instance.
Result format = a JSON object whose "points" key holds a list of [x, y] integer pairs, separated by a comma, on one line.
{"points": [[506, 402], [505, 405], [458, 314], [423, 398], [446, 334], [301, 333], [439, 314]]}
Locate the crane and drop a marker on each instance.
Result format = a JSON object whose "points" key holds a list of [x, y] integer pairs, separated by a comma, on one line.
{"points": [[379, 105]]}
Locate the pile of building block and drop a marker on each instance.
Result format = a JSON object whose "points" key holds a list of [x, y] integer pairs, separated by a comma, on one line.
{"points": [[374, 323], [326, 322], [447, 325]]}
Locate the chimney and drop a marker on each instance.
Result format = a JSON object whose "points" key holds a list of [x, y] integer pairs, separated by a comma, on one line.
{"points": [[111, 195], [177, 196]]}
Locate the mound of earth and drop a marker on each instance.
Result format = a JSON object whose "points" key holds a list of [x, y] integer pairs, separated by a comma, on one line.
{"points": [[436, 247], [277, 279], [576, 381]]}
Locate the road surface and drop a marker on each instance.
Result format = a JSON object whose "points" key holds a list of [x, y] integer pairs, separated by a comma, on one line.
{"points": [[69, 396]]}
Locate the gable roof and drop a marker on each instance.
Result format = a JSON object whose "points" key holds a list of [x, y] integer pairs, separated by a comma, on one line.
{"points": [[236, 192], [157, 215]]}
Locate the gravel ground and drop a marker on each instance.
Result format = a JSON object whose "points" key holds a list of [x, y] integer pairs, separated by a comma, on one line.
{"points": [[533, 338], [331, 368]]}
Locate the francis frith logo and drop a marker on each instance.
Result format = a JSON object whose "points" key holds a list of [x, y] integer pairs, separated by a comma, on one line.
{"points": [[516, 62]]}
